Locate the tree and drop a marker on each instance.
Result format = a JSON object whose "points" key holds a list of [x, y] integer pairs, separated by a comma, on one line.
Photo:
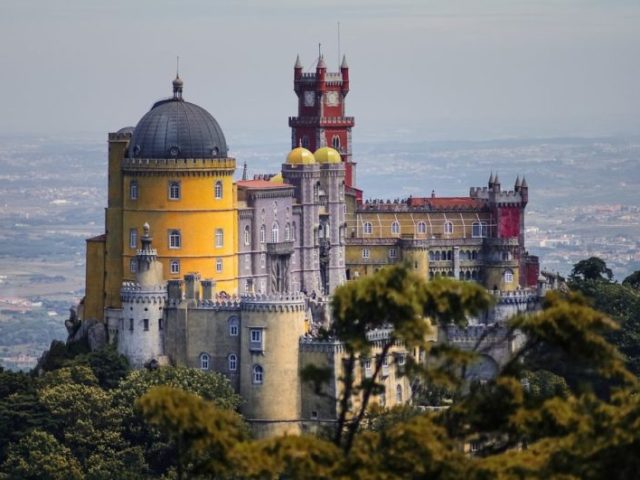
{"points": [[633, 280], [107, 364], [399, 300], [593, 268], [203, 434], [39, 456]]}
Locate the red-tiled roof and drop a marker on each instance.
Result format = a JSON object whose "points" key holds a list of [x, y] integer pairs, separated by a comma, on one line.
{"points": [[261, 184], [445, 202]]}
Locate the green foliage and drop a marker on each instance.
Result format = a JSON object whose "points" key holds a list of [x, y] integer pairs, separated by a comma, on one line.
{"points": [[593, 268], [107, 364], [633, 280], [39, 456], [203, 433], [398, 299]]}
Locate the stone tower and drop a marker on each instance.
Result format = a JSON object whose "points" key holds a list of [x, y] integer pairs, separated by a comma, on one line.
{"points": [[140, 334]]}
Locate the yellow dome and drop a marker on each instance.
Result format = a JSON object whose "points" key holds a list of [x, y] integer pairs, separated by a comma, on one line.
{"points": [[277, 178], [300, 156], [327, 155]]}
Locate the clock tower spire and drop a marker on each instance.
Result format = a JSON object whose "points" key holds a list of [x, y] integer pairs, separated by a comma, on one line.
{"points": [[321, 120]]}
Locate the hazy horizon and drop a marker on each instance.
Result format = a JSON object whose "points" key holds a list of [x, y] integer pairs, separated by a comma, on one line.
{"points": [[421, 70]]}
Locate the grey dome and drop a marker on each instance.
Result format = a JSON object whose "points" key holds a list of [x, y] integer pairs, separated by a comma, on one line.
{"points": [[174, 128]]}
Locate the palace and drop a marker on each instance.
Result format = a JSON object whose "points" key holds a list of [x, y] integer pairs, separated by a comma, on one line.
{"points": [[200, 270]]}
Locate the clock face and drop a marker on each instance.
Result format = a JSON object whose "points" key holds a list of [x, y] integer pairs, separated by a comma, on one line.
{"points": [[309, 99], [332, 99]]}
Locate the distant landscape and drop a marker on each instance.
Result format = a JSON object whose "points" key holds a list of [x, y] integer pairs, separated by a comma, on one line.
{"points": [[583, 201]]}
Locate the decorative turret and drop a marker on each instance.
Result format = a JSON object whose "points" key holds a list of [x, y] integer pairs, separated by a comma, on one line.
{"points": [[490, 183], [140, 333], [517, 184], [344, 70], [297, 69], [524, 190], [321, 72], [496, 183]]}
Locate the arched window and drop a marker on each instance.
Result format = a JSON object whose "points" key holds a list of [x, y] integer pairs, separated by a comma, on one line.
{"points": [[474, 275], [275, 232], [175, 240], [448, 254], [287, 232], [398, 393], [293, 231], [175, 266], [305, 141], [508, 276], [474, 255], [341, 191], [263, 234], [467, 275], [432, 256], [461, 275], [395, 228], [335, 141], [133, 237], [437, 256], [367, 228], [218, 265], [422, 227], [133, 190], [448, 228], [234, 326], [247, 235], [218, 190], [219, 237], [204, 361], [258, 375], [133, 265], [316, 192], [233, 362]]}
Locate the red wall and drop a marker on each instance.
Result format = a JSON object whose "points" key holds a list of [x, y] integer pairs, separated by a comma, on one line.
{"points": [[508, 222]]}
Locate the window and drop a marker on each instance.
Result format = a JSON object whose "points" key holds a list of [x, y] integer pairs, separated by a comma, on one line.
{"points": [[422, 227], [160, 324], [174, 190], [287, 232], [365, 253], [293, 231], [218, 265], [335, 141], [401, 359], [399, 393], [508, 276], [305, 141], [204, 361], [367, 228], [393, 253], [258, 375], [479, 230], [275, 231], [233, 362], [218, 190], [234, 327], [145, 324], [174, 239], [367, 364], [219, 237], [133, 238], [395, 228], [256, 335], [247, 235], [133, 190], [131, 324], [133, 265], [175, 266], [263, 234], [448, 228]]}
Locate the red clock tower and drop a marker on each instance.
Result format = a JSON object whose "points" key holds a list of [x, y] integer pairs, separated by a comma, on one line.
{"points": [[321, 106]]}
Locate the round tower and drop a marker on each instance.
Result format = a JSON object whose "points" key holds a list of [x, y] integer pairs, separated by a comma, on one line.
{"points": [[140, 334], [270, 370]]}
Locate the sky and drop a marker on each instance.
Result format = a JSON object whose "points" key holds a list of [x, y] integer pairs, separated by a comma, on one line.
{"points": [[420, 69]]}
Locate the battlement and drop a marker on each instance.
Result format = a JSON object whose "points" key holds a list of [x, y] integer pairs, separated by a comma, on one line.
{"points": [[473, 334], [321, 121], [517, 296], [274, 302], [120, 136], [134, 292], [419, 204]]}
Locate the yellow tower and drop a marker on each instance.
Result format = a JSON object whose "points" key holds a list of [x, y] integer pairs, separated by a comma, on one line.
{"points": [[172, 172]]}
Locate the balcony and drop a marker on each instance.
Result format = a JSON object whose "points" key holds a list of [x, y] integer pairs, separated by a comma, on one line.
{"points": [[280, 248]]}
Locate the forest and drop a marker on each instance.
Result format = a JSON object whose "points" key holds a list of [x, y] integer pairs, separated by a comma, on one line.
{"points": [[566, 406]]}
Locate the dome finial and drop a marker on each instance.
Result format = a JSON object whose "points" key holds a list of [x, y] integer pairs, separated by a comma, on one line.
{"points": [[177, 82]]}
